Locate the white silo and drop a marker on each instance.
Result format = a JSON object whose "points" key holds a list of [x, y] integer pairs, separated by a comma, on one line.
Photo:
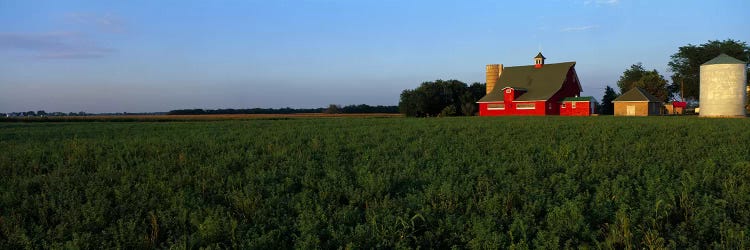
{"points": [[722, 87]]}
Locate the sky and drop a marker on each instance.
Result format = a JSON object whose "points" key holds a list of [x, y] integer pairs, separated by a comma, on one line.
{"points": [[152, 56]]}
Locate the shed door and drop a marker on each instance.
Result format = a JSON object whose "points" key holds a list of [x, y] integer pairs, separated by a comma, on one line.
{"points": [[631, 110]]}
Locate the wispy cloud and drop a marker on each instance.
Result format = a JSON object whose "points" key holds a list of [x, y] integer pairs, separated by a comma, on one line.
{"points": [[84, 42], [580, 28], [78, 54], [601, 2], [54, 45], [102, 22]]}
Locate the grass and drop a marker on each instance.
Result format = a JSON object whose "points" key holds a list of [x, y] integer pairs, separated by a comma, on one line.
{"points": [[468, 182]]}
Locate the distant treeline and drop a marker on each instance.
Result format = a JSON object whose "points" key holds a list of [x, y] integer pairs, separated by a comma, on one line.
{"points": [[366, 109], [350, 109], [42, 113]]}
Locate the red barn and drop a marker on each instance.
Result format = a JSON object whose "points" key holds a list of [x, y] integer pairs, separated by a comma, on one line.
{"points": [[529, 90], [578, 106]]}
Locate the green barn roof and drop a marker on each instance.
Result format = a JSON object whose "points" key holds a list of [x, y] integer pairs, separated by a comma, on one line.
{"points": [[540, 83], [636, 94], [582, 98], [724, 59]]}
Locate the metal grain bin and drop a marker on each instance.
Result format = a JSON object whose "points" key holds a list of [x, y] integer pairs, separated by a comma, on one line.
{"points": [[722, 87]]}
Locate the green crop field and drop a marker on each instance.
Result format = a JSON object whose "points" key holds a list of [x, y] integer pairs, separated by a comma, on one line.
{"points": [[470, 182]]}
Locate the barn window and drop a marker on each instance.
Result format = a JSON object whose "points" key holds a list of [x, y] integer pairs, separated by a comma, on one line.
{"points": [[563, 105], [549, 105], [573, 105], [508, 91], [495, 106], [526, 106]]}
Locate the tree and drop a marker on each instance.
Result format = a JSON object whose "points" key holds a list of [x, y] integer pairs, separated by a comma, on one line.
{"points": [[655, 84], [409, 103], [630, 76], [685, 64], [650, 80], [333, 109], [431, 98], [468, 104], [449, 110], [469, 99], [607, 107], [41, 113], [477, 90]]}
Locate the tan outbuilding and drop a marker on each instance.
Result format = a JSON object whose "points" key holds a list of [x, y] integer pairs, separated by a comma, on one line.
{"points": [[723, 87], [637, 102]]}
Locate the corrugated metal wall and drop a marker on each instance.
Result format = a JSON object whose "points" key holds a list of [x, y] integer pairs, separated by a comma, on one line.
{"points": [[722, 90]]}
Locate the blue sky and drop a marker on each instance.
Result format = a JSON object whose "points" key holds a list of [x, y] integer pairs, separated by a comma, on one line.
{"points": [[147, 56]]}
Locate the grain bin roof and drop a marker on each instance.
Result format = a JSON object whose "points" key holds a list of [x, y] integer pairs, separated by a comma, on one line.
{"points": [[540, 83], [636, 94], [724, 59]]}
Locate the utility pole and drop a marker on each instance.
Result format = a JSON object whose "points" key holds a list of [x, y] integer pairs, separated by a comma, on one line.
{"points": [[682, 89]]}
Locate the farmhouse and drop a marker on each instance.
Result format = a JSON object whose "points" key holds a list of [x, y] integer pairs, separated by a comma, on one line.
{"points": [[637, 102], [529, 90]]}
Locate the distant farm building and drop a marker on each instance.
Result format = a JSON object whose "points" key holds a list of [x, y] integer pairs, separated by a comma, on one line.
{"points": [[637, 102], [537, 89], [675, 108], [723, 88], [578, 106]]}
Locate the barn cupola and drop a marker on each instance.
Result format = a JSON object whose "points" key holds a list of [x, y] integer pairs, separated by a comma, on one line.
{"points": [[539, 60]]}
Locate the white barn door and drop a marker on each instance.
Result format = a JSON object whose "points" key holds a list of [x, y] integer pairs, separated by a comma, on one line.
{"points": [[631, 110]]}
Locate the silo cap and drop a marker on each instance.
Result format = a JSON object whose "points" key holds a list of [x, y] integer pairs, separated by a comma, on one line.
{"points": [[724, 59]]}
